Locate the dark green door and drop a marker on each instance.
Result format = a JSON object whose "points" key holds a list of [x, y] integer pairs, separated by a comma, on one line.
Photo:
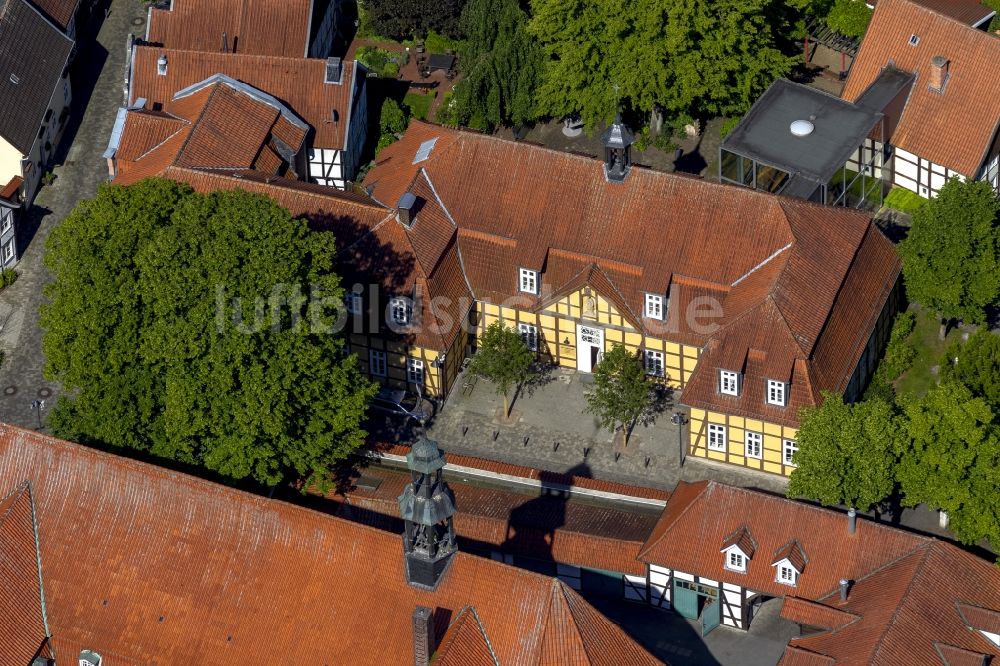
{"points": [[685, 602], [711, 616]]}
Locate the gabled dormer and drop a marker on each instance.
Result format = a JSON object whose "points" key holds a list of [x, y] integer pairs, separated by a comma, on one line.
{"points": [[789, 563], [738, 550]]}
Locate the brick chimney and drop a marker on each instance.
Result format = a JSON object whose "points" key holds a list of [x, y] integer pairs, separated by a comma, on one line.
{"points": [[423, 636], [939, 73]]}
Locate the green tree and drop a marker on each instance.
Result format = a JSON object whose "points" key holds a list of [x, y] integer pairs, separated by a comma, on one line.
{"points": [[501, 65], [849, 17], [951, 257], [697, 58], [403, 19], [622, 392], [846, 453], [978, 366], [393, 120], [950, 460], [143, 330], [504, 359]]}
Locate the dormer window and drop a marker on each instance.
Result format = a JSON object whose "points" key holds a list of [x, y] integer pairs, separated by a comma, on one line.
{"points": [[529, 281], [654, 306], [787, 575], [736, 561], [729, 382], [776, 392], [401, 311], [789, 563], [738, 548]]}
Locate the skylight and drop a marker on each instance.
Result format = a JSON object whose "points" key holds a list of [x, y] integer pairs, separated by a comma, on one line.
{"points": [[425, 150]]}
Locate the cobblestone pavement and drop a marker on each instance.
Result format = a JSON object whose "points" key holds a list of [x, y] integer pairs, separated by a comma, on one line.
{"points": [[97, 77]]}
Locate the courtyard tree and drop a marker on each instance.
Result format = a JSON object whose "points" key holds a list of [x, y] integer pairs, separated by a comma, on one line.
{"points": [[404, 19], [976, 364], [622, 392], [950, 460], [846, 453], [951, 257], [501, 65], [180, 327], [503, 358], [849, 17]]}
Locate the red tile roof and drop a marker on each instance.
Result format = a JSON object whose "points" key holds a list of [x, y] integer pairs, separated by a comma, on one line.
{"points": [[814, 614], [969, 12], [195, 572], [742, 539], [261, 27], [61, 12], [296, 82], [953, 128], [466, 643], [11, 188]]}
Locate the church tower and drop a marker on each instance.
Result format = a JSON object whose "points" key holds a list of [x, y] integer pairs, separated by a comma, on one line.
{"points": [[617, 140], [427, 506]]}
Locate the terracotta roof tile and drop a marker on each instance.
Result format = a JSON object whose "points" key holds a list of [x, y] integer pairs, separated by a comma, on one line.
{"points": [[953, 128], [743, 540], [260, 27], [194, 572], [466, 643], [297, 82], [793, 552], [59, 12], [23, 630], [983, 619], [969, 12], [11, 188], [796, 656], [955, 656], [813, 614]]}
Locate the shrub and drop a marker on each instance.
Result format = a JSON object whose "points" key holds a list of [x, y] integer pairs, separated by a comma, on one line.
{"points": [[8, 277], [849, 17], [380, 62], [438, 43], [728, 125], [903, 199]]}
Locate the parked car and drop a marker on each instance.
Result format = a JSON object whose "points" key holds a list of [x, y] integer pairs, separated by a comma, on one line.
{"points": [[396, 402]]}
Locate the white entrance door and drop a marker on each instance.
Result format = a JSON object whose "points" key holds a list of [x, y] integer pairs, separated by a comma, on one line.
{"points": [[589, 347]]}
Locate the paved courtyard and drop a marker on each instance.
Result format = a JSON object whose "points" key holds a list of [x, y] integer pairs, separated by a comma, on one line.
{"points": [[97, 77]]}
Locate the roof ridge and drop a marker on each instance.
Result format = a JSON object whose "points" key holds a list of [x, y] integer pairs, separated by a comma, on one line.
{"points": [[899, 607], [938, 14], [708, 485], [237, 55]]}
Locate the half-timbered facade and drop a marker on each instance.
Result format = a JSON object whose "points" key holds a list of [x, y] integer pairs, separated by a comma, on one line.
{"points": [[948, 124]]}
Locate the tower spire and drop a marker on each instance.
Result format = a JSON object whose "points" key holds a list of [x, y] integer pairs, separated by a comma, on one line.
{"points": [[427, 506], [617, 140]]}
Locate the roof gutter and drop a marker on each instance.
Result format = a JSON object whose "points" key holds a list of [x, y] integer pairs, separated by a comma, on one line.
{"points": [[983, 20]]}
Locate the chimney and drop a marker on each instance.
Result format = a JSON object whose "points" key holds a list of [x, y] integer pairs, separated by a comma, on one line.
{"points": [[423, 636], [845, 586], [161, 65], [334, 70], [852, 521], [404, 209], [225, 42], [939, 73]]}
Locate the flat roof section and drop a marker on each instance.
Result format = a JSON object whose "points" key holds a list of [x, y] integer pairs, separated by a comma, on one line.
{"points": [[765, 133]]}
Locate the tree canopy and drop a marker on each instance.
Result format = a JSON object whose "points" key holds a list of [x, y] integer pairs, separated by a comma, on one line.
{"points": [[501, 65], [404, 19], [978, 366], [622, 391], [951, 257], [849, 17], [143, 330], [846, 453], [705, 57], [503, 358]]}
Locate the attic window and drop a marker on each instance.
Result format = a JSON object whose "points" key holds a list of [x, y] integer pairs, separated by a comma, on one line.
{"points": [[729, 382], [735, 561], [776, 393], [425, 150], [787, 575], [914, 40]]}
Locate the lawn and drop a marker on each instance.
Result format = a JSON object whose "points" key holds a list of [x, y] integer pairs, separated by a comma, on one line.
{"points": [[902, 199], [924, 338], [419, 104]]}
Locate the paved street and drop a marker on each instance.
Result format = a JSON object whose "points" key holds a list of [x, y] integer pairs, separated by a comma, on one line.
{"points": [[97, 76]]}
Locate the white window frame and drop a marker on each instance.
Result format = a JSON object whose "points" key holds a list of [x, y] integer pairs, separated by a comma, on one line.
{"points": [[415, 371], [789, 445], [777, 392], [529, 334], [786, 575], [717, 432], [729, 382], [736, 560], [528, 281], [654, 306], [353, 303], [8, 220], [753, 444], [654, 363], [8, 251], [401, 311], [378, 363]]}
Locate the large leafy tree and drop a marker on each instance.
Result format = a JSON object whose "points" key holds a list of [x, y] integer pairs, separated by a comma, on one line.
{"points": [[504, 359], [849, 17], [951, 257], [846, 453], [402, 19], [622, 392], [143, 329], [501, 65], [950, 460], [977, 366], [692, 58]]}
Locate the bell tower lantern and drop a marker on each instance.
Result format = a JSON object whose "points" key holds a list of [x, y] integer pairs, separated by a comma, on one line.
{"points": [[617, 140], [427, 506]]}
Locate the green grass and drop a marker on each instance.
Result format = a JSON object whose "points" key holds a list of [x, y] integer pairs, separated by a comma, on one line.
{"points": [[419, 104], [924, 338], [903, 199], [847, 175], [436, 43]]}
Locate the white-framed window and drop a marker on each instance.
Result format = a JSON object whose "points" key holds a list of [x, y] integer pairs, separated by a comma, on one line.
{"points": [[753, 441], [654, 363], [729, 382], [529, 281], [400, 310], [8, 251], [8, 220], [787, 575], [530, 335], [788, 450], [654, 306], [736, 561], [776, 392], [377, 363], [716, 437], [353, 303], [415, 371]]}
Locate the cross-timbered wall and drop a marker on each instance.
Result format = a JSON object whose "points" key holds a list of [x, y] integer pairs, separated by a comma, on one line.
{"points": [[920, 175], [773, 437], [326, 167], [657, 587]]}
